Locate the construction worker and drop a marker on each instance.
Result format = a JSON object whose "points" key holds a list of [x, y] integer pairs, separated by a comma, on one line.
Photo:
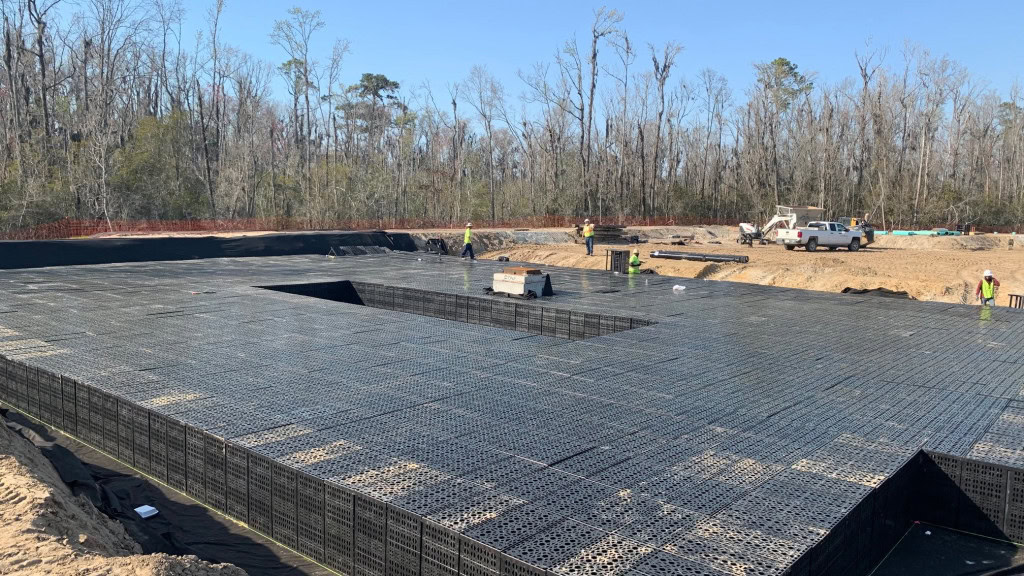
{"points": [[634, 262], [588, 236], [987, 288], [467, 240]]}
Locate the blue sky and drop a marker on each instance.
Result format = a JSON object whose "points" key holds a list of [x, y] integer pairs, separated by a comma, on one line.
{"points": [[412, 41]]}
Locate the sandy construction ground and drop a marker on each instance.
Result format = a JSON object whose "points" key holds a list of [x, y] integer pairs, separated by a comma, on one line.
{"points": [[943, 269], [45, 529]]}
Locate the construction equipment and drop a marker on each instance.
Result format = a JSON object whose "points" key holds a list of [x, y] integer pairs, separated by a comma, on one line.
{"points": [[786, 217], [859, 224], [521, 282]]}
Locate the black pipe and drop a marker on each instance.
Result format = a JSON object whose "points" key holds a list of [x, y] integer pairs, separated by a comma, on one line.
{"points": [[696, 256]]}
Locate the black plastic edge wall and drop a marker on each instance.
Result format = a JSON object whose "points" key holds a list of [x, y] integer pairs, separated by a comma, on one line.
{"points": [[496, 311], [972, 496], [346, 531], [41, 253]]}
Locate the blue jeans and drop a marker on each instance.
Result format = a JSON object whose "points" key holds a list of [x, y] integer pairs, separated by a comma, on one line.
{"points": [[988, 301], [590, 245], [468, 249]]}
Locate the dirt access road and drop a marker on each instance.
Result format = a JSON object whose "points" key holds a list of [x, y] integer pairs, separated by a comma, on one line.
{"points": [[945, 269]]}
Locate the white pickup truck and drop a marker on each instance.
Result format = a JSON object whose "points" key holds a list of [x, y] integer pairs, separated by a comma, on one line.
{"points": [[829, 235]]}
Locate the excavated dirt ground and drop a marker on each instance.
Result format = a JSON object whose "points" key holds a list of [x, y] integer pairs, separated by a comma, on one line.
{"points": [[943, 269], [45, 529]]}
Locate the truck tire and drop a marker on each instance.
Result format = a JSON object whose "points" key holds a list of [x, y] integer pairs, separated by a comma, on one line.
{"points": [[855, 245], [812, 244], [789, 246]]}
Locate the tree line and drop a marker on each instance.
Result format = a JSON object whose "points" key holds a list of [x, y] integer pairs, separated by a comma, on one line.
{"points": [[109, 112]]}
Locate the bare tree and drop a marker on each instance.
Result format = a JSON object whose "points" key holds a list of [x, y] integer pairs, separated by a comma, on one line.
{"points": [[662, 70], [485, 96]]}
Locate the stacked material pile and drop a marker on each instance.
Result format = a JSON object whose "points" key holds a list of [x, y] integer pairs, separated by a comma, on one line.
{"points": [[609, 234]]}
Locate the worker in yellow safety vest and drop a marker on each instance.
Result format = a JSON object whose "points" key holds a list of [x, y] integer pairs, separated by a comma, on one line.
{"points": [[468, 242], [634, 262], [588, 236], [987, 288]]}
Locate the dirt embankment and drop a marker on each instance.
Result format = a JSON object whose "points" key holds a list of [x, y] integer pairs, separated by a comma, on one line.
{"points": [[943, 269], [45, 529]]}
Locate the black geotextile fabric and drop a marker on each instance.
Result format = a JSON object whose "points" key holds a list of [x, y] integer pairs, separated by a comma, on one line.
{"points": [[928, 550], [180, 528], [17, 254], [884, 292]]}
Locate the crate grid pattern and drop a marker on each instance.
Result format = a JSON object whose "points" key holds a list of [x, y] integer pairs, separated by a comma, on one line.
{"points": [[215, 471], [500, 312], [435, 430]]}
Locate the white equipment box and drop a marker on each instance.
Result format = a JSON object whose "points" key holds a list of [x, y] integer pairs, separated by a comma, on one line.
{"points": [[519, 281]]}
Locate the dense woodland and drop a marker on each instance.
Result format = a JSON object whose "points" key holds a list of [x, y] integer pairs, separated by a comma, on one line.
{"points": [[110, 112]]}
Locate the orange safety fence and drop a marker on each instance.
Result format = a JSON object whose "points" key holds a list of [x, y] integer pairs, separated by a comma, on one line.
{"points": [[70, 228]]}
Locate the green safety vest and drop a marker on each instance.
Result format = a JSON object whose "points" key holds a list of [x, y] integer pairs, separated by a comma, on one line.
{"points": [[634, 264], [469, 234], [987, 288], [588, 231]]}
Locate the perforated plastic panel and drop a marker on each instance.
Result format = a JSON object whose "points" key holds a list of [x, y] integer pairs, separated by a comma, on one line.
{"points": [[140, 438], [261, 488], [478, 559], [70, 406], [96, 417], [5, 389], [440, 550], [176, 455], [195, 443], [370, 536], [984, 485], [338, 531], [237, 482], [158, 445], [215, 470], [83, 411], [311, 516], [285, 505], [125, 433], [404, 542], [110, 428], [30, 384]]}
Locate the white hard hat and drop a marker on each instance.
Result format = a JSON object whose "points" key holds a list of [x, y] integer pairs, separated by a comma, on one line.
{"points": [[469, 224], [987, 273], [585, 220], [636, 250]]}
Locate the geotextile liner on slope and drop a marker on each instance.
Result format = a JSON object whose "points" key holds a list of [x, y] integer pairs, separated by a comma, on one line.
{"points": [[42, 253], [180, 528]]}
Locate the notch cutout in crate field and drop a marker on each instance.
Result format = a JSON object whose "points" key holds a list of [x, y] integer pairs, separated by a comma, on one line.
{"points": [[529, 317]]}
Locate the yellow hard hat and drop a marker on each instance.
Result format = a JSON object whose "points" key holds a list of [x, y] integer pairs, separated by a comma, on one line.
{"points": [[636, 250]]}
